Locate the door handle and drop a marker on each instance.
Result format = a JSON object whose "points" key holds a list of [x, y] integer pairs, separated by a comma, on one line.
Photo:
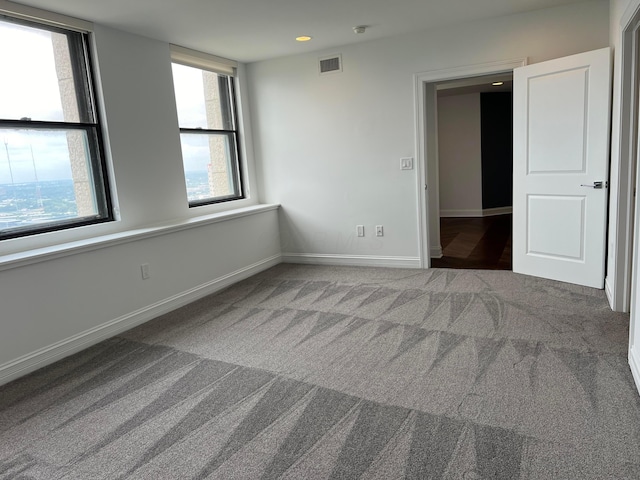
{"points": [[597, 185]]}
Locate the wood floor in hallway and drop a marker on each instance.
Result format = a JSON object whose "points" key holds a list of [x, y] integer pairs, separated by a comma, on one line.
{"points": [[478, 242]]}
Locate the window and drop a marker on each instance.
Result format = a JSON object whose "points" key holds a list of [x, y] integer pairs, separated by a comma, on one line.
{"points": [[52, 170], [205, 100]]}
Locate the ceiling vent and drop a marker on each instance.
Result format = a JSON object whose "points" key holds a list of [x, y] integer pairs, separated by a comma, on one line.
{"points": [[330, 64]]}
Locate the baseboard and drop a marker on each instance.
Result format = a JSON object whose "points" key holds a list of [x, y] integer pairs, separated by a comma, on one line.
{"points": [[490, 212], [352, 260], [608, 292], [487, 212], [634, 363], [436, 252], [52, 353], [461, 213]]}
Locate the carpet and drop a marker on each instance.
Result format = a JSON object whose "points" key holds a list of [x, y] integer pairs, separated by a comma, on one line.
{"points": [[316, 372]]}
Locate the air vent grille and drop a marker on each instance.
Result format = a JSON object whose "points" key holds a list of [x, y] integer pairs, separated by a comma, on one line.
{"points": [[332, 64]]}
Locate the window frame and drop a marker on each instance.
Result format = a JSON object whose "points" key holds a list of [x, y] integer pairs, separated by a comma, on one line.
{"points": [[88, 110], [226, 71]]}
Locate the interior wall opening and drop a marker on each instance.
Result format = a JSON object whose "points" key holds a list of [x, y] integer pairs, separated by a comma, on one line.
{"points": [[475, 172]]}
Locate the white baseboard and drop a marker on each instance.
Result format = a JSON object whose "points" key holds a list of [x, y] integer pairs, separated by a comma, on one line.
{"points": [[634, 363], [52, 353], [352, 260], [436, 252], [461, 213], [487, 212], [608, 292]]}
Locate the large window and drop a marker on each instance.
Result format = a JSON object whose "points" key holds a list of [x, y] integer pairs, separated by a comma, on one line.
{"points": [[209, 135], [52, 172]]}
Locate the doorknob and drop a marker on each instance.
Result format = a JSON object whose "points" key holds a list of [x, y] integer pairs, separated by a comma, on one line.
{"points": [[597, 185]]}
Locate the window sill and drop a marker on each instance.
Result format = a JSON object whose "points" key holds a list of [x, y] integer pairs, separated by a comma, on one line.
{"points": [[21, 259]]}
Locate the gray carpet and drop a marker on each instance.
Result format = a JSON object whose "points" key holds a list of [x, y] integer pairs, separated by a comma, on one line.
{"points": [[307, 372]]}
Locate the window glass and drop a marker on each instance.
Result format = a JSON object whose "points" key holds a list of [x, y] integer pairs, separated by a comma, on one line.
{"points": [[209, 139], [52, 175], [209, 166], [190, 101], [33, 64]]}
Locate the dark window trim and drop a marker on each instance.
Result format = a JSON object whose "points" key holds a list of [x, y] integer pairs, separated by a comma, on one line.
{"points": [[235, 159], [207, 130], [234, 113], [45, 125]]}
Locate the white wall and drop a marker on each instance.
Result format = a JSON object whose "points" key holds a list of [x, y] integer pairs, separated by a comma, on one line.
{"points": [[460, 155], [51, 307], [94, 294], [328, 147]]}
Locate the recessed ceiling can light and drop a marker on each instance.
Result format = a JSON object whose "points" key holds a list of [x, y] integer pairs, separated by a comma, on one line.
{"points": [[359, 29], [497, 84], [303, 38]]}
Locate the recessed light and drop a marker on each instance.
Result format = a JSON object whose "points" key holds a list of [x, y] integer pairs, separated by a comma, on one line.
{"points": [[303, 38], [497, 84]]}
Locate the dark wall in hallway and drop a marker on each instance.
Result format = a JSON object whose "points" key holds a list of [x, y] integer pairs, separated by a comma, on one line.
{"points": [[496, 117]]}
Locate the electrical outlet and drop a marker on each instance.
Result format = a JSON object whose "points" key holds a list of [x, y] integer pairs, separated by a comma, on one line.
{"points": [[406, 163], [379, 231], [144, 268], [360, 230]]}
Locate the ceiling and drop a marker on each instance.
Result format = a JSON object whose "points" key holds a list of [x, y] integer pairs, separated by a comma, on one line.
{"points": [[252, 30]]}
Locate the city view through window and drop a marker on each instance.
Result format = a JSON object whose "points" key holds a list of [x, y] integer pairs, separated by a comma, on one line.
{"points": [[44, 192], [48, 144]]}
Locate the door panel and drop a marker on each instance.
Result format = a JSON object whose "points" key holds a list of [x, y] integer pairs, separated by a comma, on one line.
{"points": [[556, 141], [561, 142], [565, 216]]}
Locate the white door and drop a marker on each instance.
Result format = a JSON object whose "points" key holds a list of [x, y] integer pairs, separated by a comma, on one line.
{"points": [[560, 166]]}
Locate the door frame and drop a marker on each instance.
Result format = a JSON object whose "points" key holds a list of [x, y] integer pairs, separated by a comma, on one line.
{"points": [[619, 286], [628, 221], [427, 188]]}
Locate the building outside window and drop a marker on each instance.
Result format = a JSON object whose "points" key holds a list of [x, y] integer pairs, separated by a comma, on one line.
{"points": [[206, 103], [52, 169]]}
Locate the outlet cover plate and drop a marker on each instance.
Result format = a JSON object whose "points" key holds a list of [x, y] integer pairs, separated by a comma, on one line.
{"points": [[406, 163]]}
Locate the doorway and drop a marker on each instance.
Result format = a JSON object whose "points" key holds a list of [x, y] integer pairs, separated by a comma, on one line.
{"points": [[560, 159], [475, 164], [426, 134]]}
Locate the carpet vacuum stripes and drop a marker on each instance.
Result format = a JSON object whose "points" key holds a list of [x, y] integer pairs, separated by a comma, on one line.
{"points": [[315, 372]]}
